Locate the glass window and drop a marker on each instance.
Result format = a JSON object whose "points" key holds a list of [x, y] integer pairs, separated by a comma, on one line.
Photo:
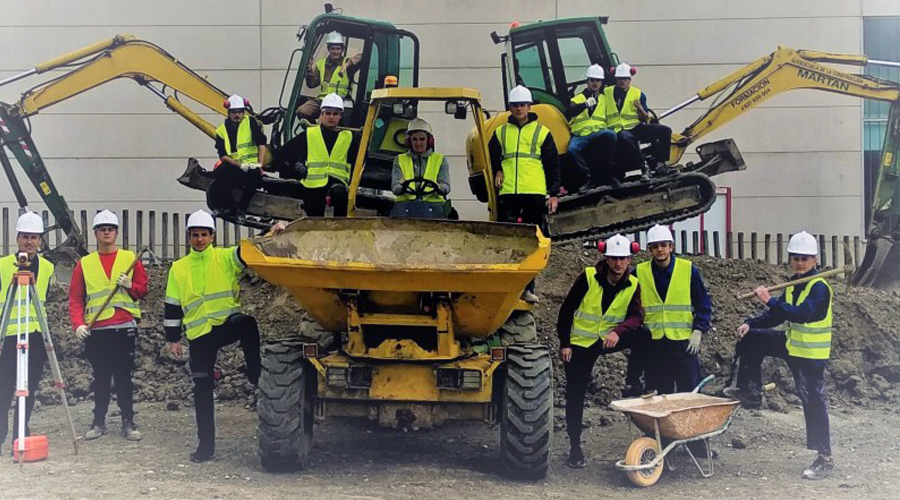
{"points": [[532, 66], [575, 60], [407, 62]]}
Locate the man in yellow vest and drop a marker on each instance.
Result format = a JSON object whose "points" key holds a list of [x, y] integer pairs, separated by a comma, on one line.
{"points": [[29, 228], [677, 311], [600, 315], [805, 345], [630, 118], [420, 165], [203, 302], [110, 343], [321, 158], [526, 167], [241, 146], [592, 138], [332, 74]]}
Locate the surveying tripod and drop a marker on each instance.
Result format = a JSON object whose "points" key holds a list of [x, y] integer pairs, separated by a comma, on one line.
{"points": [[22, 297]]}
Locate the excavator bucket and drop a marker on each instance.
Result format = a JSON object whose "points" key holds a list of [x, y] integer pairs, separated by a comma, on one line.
{"points": [[394, 265], [717, 158], [880, 267]]}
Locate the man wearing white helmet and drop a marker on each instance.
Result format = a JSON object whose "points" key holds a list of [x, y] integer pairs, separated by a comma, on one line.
{"points": [[203, 302], [630, 118], [677, 311], [241, 145], [110, 343], [806, 346], [526, 167], [420, 162], [600, 315], [592, 137], [321, 158], [29, 228], [332, 74]]}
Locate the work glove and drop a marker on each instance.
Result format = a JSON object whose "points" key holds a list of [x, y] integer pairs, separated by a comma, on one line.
{"points": [[591, 102], [247, 166], [693, 346], [301, 170], [124, 281], [82, 332]]}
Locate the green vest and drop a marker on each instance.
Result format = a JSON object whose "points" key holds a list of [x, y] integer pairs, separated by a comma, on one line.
{"points": [[7, 269], [809, 340], [247, 152], [674, 318], [583, 124], [337, 84], [205, 285], [97, 286], [432, 168], [590, 323], [626, 119], [523, 172], [320, 164]]}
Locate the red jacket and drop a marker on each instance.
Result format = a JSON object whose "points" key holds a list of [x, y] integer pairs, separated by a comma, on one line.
{"points": [[138, 290]]}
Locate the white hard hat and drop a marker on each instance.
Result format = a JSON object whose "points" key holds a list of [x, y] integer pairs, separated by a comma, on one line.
{"points": [[236, 102], [624, 71], [418, 125], [105, 218], [334, 38], [333, 101], [803, 243], [520, 94], [30, 222], [594, 71], [659, 233], [201, 219], [617, 246]]}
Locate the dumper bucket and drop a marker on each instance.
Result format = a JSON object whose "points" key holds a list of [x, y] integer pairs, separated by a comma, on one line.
{"points": [[482, 267]]}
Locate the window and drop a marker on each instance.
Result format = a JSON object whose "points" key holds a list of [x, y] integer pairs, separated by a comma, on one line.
{"points": [[575, 60], [533, 66]]}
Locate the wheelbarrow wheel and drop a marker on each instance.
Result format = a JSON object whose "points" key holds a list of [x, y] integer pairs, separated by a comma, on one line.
{"points": [[643, 451]]}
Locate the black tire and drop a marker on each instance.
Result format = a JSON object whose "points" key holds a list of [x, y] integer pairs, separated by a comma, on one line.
{"points": [[285, 408], [520, 328], [526, 414]]}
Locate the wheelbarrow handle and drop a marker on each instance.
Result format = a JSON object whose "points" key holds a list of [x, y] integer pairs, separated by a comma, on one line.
{"points": [[703, 382]]}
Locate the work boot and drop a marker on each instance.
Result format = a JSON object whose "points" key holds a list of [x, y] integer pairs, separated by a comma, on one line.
{"points": [[645, 174], [530, 297], [129, 430], [663, 170], [95, 431], [199, 455], [748, 399], [819, 469], [576, 458]]}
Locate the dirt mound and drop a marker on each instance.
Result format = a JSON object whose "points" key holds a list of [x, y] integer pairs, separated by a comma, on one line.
{"points": [[865, 366]]}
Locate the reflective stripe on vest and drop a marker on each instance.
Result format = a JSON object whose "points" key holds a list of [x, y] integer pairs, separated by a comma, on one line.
{"points": [[590, 324], [337, 84], [523, 172], [8, 268], [583, 124], [809, 340], [432, 169], [247, 152], [97, 286], [320, 164], [208, 298], [674, 318], [626, 119]]}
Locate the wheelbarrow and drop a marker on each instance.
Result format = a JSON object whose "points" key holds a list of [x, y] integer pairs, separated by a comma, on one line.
{"points": [[676, 419]]}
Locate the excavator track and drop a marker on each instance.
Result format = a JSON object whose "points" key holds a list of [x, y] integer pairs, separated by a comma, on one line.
{"points": [[631, 206]]}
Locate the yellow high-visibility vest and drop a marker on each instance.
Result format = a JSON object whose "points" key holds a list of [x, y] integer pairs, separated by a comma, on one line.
{"points": [[337, 84], [432, 168], [321, 164], [97, 286], [590, 323], [674, 317], [523, 172], [585, 124], [626, 119], [809, 340], [8, 267], [246, 152], [205, 286]]}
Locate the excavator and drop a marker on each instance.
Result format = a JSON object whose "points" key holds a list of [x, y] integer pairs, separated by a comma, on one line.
{"points": [[549, 58]]}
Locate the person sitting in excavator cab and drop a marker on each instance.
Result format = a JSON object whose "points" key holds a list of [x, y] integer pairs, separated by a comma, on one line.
{"points": [[333, 74], [420, 178], [631, 119], [591, 136]]}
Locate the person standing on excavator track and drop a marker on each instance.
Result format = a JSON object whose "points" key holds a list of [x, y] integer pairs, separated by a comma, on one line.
{"points": [[631, 119], [526, 166], [806, 346], [592, 141], [332, 74], [241, 145], [110, 343]]}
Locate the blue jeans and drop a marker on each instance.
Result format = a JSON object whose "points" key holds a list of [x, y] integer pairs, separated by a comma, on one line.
{"points": [[603, 143]]}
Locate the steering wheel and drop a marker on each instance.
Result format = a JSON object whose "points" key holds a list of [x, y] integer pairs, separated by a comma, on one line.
{"points": [[654, 118], [423, 188]]}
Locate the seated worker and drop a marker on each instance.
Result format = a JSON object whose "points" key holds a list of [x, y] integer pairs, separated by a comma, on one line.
{"points": [[241, 145], [591, 135], [420, 163], [332, 74], [630, 118], [321, 158]]}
